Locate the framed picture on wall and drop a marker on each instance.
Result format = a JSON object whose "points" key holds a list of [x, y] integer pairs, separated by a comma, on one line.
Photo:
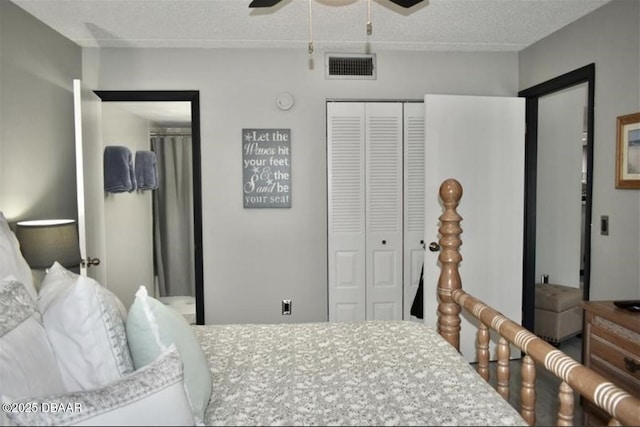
{"points": [[628, 151]]}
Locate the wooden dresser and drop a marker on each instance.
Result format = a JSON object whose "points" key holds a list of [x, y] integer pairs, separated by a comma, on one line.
{"points": [[611, 347]]}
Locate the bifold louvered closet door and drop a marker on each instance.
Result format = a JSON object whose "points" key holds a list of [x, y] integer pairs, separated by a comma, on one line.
{"points": [[366, 204]]}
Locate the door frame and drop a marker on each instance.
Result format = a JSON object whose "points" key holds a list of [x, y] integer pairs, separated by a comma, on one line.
{"points": [[576, 77], [192, 96]]}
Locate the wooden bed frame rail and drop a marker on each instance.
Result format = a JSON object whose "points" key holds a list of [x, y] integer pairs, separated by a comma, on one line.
{"points": [[623, 408]]}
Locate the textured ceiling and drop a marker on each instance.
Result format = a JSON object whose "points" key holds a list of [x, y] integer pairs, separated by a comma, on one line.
{"points": [[436, 25]]}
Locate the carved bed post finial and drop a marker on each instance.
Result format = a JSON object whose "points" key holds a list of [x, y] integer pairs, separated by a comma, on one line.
{"points": [[449, 281]]}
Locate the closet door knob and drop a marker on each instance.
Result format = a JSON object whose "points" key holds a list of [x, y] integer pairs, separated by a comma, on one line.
{"points": [[384, 242], [90, 261], [434, 247]]}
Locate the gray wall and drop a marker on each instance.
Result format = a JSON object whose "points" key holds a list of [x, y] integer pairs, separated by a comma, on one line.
{"points": [[609, 37], [254, 258], [37, 153]]}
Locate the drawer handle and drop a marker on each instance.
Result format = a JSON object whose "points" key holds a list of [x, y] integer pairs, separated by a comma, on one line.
{"points": [[632, 365]]}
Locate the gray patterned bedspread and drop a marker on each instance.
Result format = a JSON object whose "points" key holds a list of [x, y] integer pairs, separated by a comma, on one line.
{"points": [[363, 373]]}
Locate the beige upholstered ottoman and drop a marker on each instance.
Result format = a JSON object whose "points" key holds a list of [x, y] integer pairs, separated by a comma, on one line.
{"points": [[558, 315]]}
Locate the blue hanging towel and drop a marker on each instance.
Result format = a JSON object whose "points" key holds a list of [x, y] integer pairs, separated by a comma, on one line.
{"points": [[146, 170], [119, 174]]}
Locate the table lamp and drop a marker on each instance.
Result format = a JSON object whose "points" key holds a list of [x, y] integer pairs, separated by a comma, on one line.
{"points": [[45, 241]]}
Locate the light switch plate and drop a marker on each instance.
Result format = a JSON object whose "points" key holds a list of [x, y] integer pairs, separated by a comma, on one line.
{"points": [[604, 225]]}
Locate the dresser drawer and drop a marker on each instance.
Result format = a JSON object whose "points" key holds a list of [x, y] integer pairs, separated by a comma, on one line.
{"points": [[616, 334], [610, 362], [614, 362], [612, 349]]}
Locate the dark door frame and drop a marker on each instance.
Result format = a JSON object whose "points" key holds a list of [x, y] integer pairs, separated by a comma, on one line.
{"points": [[581, 75], [192, 96]]}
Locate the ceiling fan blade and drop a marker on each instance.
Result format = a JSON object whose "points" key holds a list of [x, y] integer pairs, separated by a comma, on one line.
{"points": [[405, 3], [264, 3]]}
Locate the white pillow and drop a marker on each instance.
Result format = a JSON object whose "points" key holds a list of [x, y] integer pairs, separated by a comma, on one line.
{"points": [[151, 396], [151, 328], [27, 362], [86, 326], [11, 260]]}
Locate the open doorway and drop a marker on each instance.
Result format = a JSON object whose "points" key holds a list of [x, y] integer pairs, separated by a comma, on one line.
{"points": [[175, 130], [561, 178], [541, 97]]}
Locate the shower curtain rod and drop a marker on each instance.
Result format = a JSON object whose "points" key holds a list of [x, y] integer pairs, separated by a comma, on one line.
{"points": [[169, 133]]}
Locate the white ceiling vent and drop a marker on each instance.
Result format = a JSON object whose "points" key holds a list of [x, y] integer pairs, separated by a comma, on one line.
{"points": [[350, 66]]}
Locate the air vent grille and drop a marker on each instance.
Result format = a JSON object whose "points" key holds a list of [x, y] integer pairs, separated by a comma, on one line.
{"points": [[350, 66]]}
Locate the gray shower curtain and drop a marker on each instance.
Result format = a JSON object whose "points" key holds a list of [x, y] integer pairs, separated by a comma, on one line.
{"points": [[173, 216]]}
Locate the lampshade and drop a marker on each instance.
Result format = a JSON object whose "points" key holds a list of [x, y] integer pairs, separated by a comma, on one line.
{"points": [[45, 241]]}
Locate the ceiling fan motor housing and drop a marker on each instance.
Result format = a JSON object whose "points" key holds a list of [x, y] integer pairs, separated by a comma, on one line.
{"points": [[270, 3]]}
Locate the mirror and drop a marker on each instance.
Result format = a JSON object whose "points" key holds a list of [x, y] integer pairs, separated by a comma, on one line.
{"points": [[167, 125], [575, 88]]}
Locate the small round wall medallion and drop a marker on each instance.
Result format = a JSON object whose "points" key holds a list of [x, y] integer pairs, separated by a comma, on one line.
{"points": [[284, 101]]}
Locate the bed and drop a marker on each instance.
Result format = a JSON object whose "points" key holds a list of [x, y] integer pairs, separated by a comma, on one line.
{"points": [[360, 373]]}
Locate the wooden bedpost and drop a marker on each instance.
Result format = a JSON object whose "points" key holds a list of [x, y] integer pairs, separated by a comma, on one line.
{"points": [[621, 406], [448, 309]]}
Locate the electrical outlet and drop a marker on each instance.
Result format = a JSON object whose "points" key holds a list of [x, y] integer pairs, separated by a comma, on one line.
{"points": [[286, 306]]}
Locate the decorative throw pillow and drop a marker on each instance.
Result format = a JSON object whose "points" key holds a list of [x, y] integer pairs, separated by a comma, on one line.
{"points": [[151, 328], [86, 326], [27, 362], [153, 395], [11, 260]]}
